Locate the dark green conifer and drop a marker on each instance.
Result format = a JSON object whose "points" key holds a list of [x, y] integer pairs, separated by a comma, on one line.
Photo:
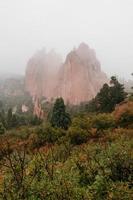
{"points": [[60, 118]]}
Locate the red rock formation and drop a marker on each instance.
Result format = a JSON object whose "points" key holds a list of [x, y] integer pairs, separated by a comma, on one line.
{"points": [[37, 108], [80, 78], [41, 73], [77, 80]]}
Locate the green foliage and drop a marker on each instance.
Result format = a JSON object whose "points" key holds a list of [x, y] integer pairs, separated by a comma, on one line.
{"points": [[9, 118], [47, 134], [82, 121], [126, 119], [103, 99], [103, 121], [117, 93], [60, 118], [130, 97], [2, 129], [77, 135], [16, 119], [79, 131], [84, 128], [91, 171], [35, 121], [108, 97], [3, 118], [99, 188], [13, 120], [90, 158], [122, 168], [124, 114]]}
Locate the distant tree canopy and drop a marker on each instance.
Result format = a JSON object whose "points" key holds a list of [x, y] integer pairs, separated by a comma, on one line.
{"points": [[108, 97], [10, 120], [59, 117]]}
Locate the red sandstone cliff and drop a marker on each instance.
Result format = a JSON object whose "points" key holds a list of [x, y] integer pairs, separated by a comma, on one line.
{"points": [[77, 80], [41, 73]]}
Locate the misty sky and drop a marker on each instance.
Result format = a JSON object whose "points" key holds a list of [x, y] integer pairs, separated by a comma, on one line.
{"points": [[105, 25]]}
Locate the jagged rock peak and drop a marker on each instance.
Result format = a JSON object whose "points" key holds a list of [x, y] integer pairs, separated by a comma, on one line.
{"points": [[41, 71], [83, 47], [85, 52], [78, 79]]}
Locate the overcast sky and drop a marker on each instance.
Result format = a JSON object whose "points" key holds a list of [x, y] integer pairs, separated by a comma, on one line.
{"points": [[105, 25]]}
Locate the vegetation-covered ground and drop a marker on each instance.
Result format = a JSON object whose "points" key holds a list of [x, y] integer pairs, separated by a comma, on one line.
{"points": [[87, 154]]}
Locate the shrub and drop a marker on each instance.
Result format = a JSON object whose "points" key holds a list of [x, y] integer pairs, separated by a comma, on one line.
{"points": [[35, 121], [47, 134], [103, 121], [124, 114], [83, 122], [99, 188], [121, 167], [126, 119], [77, 135]]}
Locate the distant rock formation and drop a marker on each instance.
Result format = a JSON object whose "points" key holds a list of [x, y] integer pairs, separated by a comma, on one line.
{"points": [[77, 80], [37, 108], [41, 73], [24, 108], [80, 77], [13, 86]]}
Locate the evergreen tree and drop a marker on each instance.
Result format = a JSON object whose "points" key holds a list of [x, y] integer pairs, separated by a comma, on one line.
{"points": [[9, 118], [117, 93], [60, 118], [3, 118], [108, 97], [35, 120], [103, 99], [2, 129], [132, 89], [12, 119]]}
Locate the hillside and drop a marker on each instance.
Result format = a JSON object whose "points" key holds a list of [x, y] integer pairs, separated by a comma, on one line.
{"points": [[93, 159]]}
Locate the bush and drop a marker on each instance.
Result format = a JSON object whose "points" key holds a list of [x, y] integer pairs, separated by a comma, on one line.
{"points": [[96, 170], [121, 167], [47, 134], [103, 121], [124, 114], [83, 122], [126, 119], [35, 121], [86, 127], [77, 135]]}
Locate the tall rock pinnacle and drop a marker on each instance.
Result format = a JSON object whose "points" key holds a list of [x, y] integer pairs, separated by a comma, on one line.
{"points": [[77, 80]]}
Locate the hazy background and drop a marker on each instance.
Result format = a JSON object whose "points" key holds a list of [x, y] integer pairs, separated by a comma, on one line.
{"points": [[29, 25]]}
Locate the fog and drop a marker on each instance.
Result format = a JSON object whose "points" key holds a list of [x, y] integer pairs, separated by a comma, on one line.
{"points": [[29, 25]]}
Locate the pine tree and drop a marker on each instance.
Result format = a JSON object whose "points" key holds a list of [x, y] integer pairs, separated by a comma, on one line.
{"points": [[132, 89], [9, 118], [117, 93], [103, 98], [108, 97], [60, 118], [12, 119], [2, 129]]}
